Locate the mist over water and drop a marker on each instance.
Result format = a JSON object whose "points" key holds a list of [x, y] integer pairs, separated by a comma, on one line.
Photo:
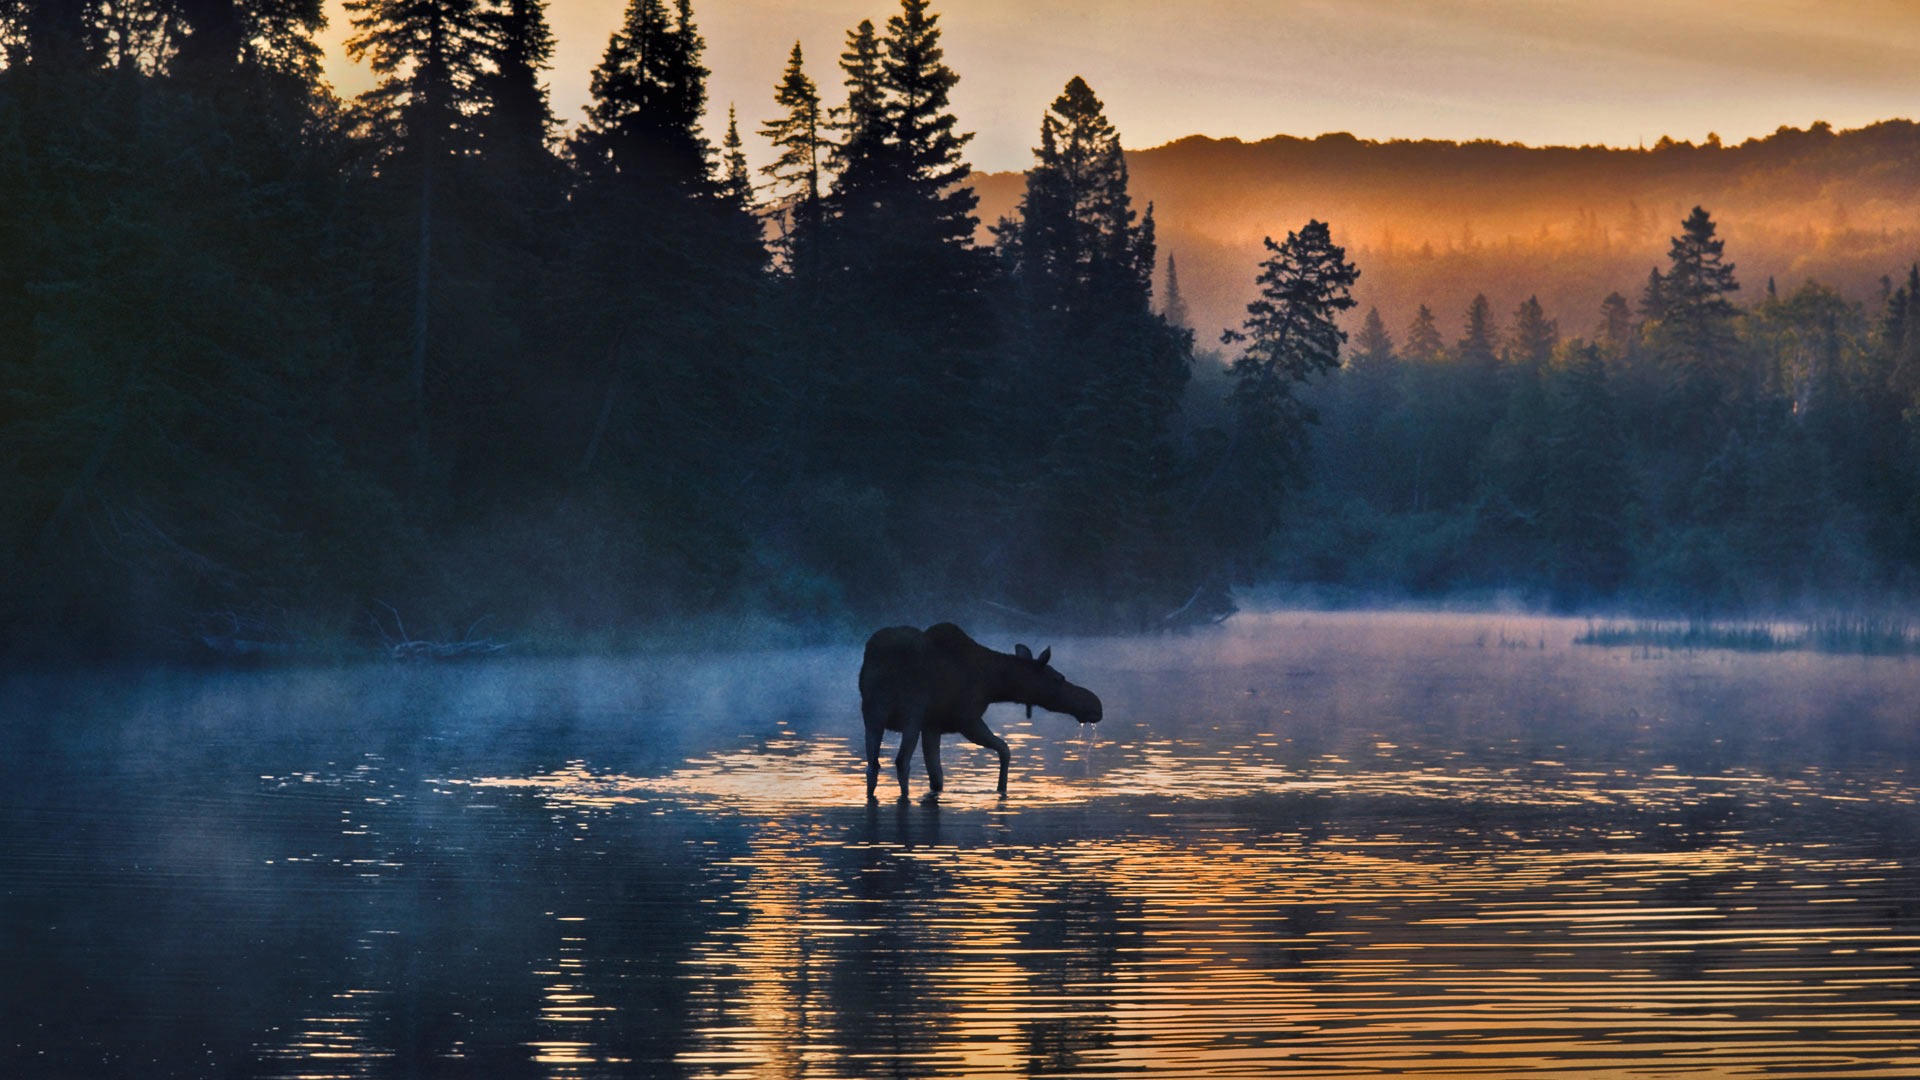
{"points": [[1298, 845]]}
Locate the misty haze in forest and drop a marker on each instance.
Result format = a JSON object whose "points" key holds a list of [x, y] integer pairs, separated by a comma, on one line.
{"points": [[290, 374]]}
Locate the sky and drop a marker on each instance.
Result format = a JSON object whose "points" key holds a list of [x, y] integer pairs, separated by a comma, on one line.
{"points": [[1542, 72]]}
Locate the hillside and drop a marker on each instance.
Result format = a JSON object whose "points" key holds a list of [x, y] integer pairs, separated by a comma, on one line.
{"points": [[1435, 222]]}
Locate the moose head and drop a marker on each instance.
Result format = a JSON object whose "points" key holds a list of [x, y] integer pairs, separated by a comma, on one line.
{"points": [[1035, 683]]}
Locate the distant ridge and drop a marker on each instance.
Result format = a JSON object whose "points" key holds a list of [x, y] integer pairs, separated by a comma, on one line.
{"points": [[1434, 222]]}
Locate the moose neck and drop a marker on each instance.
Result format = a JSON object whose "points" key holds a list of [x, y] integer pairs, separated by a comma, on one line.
{"points": [[1007, 683]]}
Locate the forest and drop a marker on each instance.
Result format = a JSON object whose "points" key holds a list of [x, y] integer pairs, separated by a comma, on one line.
{"points": [[284, 374]]}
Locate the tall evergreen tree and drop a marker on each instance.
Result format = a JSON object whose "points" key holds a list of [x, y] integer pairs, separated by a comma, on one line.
{"points": [[736, 184], [1374, 347], [899, 237], [1615, 328], [927, 146], [862, 121], [1096, 375], [1533, 336], [1076, 236], [649, 90], [1653, 297], [1696, 339], [1696, 318], [1476, 345], [1291, 334], [518, 119], [799, 138], [1423, 337], [1174, 306], [217, 37], [431, 54]]}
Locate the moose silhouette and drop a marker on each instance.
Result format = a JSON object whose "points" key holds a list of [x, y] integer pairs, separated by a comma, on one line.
{"points": [[938, 681]]}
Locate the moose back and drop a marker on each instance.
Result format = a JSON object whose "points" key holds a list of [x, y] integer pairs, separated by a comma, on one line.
{"points": [[938, 681]]}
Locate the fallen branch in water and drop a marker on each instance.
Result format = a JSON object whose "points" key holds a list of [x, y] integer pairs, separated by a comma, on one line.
{"points": [[405, 647]]}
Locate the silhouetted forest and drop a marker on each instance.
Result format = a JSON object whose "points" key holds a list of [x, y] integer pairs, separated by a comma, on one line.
{"points": [[284, 373]]}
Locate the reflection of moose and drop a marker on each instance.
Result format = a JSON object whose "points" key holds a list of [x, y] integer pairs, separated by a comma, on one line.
{"points": [[939, 682]]}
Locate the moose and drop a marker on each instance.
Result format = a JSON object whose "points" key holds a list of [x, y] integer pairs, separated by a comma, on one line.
{"points": [[938, 681]]}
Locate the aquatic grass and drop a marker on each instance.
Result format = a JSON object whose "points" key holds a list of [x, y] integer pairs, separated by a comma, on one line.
{"points": [[1872, 635]]}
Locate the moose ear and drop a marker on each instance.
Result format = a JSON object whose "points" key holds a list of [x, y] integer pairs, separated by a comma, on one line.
{"points": [[1023, 652], [1046, 654]]}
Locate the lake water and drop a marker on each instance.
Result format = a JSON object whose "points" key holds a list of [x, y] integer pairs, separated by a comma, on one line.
{"points": [[1299, 846]]}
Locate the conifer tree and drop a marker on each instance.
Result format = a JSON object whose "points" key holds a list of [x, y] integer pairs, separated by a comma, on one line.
{"points": [[1616, 325], [862, 121], [218, 37], [1476, 348], [1423, 337], [799, 140], [1291, 334], [1705, 365], [1533, 336], [927, 149], [643, 126], [518, 118], [1076, 237], [1653, 297], [1374, 346], [736, 184], [1096, 375], [431, 54], [1696, 316], [1174, 307], [898, 237]]}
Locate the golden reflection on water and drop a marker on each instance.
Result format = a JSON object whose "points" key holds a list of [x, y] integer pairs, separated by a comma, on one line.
{"points": [[1392, 868], [976, 937]]}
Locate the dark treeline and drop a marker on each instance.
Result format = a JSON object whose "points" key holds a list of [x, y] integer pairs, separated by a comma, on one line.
{"points": [[1681, 452], [286, 372]]}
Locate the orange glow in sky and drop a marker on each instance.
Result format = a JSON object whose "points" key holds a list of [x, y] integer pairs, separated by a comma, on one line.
{"points": [[1536, 71]]}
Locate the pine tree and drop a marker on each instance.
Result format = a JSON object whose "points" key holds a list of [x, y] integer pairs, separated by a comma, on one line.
{"points": [[215, 38], [862, 122], [799, 140], [1291, 334], [1076, 237], [1096, 376], [1533, 336], [1653, 297], [518, 118], [1616, 325], [927, 149], [736, 184], [898, 238], [431, 54], [1476, 348], [1706, 371], [1696, 316], [649, 90], [1174, 307], [1374, 347], [1423, 337]]}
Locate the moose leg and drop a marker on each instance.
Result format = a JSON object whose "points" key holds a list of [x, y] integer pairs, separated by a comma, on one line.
{"points": [[930, 754], [904, 760], [874, 715], [874, 733], [977, 732]]}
